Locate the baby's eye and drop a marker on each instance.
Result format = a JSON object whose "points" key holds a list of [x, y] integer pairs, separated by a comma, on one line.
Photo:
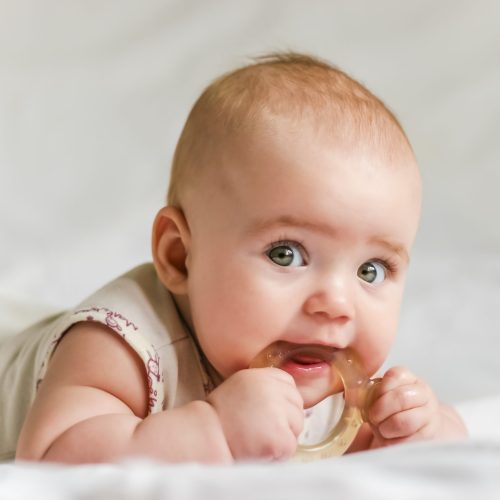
{"points": [[286, 254], [372, 272]]}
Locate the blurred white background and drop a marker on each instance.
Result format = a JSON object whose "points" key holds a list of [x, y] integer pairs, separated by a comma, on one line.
{"points": [[93, 95]]}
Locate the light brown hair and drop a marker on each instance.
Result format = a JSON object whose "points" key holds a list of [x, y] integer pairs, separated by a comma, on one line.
{"points": [[297, 86]]}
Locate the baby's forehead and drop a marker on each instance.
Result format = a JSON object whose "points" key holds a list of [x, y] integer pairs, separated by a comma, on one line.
{"points": [[274, 103], [313, 136], [282, 151]]}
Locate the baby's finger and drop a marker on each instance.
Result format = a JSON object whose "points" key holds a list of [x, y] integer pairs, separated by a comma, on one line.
{"points": [[278, 374], [293, 396], [425, 433], [397, 400], [287, 386], [296, 420], [396, 377], [404, 424]]}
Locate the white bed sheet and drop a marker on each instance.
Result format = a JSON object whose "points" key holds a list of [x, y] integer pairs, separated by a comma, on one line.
{"points": [[430, 471]]}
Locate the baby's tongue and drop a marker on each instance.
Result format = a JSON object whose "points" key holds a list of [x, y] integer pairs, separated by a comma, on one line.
{"points": [[306, 359]]}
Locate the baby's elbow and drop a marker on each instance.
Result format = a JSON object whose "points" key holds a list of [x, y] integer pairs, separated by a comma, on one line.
{"points": [[26, 453]]}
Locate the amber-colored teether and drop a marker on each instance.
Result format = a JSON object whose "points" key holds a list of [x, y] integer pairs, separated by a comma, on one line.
{"points": [[358, 392]]}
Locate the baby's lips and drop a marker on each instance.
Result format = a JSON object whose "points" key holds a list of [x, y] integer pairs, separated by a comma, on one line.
{"points": [[278, 353], [312, 353]]}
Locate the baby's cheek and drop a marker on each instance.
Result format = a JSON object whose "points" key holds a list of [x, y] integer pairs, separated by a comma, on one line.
{"points": [[373, 352]]}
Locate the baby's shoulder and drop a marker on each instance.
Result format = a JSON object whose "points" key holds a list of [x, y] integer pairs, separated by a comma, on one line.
{"points": [[136, 306], [89, 356]]}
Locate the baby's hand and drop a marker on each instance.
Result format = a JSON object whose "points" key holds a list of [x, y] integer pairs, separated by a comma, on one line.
{"points": [[261, 412], [406, 409]]}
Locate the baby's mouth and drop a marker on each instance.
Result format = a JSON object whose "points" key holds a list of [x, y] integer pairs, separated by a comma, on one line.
{"points": [[290, 356], [306, 359], [305, 364], [311, 366]]}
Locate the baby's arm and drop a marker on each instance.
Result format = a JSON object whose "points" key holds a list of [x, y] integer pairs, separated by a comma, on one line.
{"points": [[92, 407], [406, 409]]}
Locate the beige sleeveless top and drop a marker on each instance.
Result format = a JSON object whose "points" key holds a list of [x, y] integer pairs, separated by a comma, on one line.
{"points": [[135, 306]]}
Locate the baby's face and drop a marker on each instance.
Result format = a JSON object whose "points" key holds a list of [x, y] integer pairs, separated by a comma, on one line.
{"points": [[297, 240]]}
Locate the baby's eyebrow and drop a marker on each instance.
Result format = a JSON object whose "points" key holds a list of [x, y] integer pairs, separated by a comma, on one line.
{"points": [[290, 220], [394, 247]]}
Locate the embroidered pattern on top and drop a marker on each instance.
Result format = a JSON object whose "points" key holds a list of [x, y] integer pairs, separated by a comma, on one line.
{"points": [[153, 366], [126, 329], [112, 318]]}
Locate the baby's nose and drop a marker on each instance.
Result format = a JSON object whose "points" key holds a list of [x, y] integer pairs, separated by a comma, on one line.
{"points": [[331, 301]]}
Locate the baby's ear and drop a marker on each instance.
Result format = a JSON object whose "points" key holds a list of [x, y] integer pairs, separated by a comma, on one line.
{"points": [[171, 239]]}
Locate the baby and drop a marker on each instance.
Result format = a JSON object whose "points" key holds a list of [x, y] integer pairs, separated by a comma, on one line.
{"points": [[293, 205]]}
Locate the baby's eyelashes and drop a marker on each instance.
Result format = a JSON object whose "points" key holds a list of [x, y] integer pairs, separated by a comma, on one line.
{"points": [[287, 254], [372, 272]]}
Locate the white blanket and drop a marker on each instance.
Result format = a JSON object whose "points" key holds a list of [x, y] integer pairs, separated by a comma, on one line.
{"points": [[447, 471]]}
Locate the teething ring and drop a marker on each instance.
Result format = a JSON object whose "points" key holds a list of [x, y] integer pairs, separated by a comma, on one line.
{"points": [[358, 393]]}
